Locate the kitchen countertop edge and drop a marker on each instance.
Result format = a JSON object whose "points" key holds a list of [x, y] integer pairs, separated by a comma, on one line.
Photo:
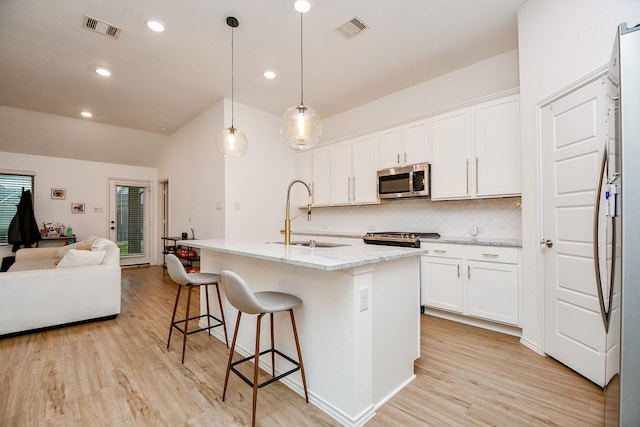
{"points": [[328, 259]]}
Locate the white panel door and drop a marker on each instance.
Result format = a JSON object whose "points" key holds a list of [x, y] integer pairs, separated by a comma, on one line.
{"points": [[572, 131], [364, 164], [442, 283], [341, 173], [450, 155]]}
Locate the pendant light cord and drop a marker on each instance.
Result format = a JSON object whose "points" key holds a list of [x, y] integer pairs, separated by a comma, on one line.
{"points": [[232, 76], [301, 65]]}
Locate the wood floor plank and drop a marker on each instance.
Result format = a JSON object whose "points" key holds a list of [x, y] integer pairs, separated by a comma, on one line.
{"points": [[120, 373]]}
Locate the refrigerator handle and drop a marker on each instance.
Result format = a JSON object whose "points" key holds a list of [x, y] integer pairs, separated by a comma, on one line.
{"points": [[596, 246]]}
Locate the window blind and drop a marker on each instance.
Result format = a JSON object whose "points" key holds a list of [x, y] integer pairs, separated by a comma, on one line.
{"points": [[11, 186]]}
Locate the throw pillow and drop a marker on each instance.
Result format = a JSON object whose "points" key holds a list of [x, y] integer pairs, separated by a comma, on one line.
{"points": [[80, 258], [83, 245]]}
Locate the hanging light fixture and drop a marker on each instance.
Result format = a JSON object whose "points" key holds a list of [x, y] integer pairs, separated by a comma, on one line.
{"points": [[231, 142], [300, 125]]}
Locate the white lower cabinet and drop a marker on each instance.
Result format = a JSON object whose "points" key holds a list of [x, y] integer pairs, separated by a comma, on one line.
{"points": [[477, 281]]}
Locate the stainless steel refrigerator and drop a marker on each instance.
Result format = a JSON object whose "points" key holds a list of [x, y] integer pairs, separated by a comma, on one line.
{"points": [[617, 226]]}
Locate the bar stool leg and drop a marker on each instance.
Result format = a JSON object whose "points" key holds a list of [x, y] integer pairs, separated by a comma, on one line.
{"points": [[206, 293], [186, 323], [224, 322], [173, 316], [233, 346], [273, 354], [295, 335], [256, 367]]}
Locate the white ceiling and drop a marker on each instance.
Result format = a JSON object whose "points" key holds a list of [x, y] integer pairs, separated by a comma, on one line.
{"points": [[47, 59]]}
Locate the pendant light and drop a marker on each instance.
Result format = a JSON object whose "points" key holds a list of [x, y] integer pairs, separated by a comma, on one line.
{"points": [[231, 142], [300, 125]]}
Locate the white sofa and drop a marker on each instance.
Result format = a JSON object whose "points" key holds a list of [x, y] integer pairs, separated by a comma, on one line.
{"points": [[43, 288]]}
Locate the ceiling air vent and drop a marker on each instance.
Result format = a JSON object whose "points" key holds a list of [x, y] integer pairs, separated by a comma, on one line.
{"points": [[98, 26], [352, 27]]}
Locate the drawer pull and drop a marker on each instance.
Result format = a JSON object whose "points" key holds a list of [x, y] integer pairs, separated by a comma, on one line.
{"points": [[468, 272], [458, 270], [490, 255], [439, 251]]}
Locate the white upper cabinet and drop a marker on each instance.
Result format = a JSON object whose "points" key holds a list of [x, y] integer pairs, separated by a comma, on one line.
{"points": [[404, 145], [341, 173], [364, 167], [476, 151], [303, 167], [450, 155], [497, 148], [321, 172]]}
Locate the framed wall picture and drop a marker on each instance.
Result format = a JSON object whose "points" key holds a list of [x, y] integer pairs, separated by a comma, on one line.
{"points": [[58, 193], [77, 208]]}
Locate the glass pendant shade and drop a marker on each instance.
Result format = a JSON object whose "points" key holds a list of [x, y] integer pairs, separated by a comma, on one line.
{"points": [[231, 142], [301, 127]]}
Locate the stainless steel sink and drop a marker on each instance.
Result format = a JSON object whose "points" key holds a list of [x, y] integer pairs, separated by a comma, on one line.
{"points": [[314, 244]]}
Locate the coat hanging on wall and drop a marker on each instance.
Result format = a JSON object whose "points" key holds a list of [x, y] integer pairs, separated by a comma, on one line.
{"points": [[23, 229]]}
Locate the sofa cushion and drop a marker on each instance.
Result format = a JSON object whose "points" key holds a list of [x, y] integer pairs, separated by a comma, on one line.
{"points": [[80, 258], [34, 264]]}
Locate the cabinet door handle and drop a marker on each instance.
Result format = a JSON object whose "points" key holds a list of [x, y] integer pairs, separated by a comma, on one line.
{"points": [[458, 271], [476, 175], [353, 187], [467, 176], [468, 272], [398, 158], [349, 188], [405, 157], [490, 255]]}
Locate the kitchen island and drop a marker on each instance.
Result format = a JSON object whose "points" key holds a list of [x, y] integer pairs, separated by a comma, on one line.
{"points": [[359, 323]]}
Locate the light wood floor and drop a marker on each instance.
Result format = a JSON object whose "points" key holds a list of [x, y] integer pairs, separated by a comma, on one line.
{"points": [[119, 373]]}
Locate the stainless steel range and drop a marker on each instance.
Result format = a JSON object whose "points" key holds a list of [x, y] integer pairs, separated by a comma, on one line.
{"points": [[393, 238]]}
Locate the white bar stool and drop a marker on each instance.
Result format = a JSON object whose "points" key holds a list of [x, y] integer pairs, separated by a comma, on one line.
{"points": [[182, 278], [260, 303]]}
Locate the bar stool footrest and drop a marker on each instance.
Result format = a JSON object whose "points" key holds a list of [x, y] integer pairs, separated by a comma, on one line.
{"points": [[270, 380], [219, 323]]}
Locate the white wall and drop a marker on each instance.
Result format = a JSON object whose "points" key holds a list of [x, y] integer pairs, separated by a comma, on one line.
{"points": [[256, 183], [30, 132], [195, 171], [227, 197], [559, 42], [475, 81], [84, 181]]}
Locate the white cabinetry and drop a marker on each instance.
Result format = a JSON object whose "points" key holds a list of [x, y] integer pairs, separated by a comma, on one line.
{"points": [[404, 145], [497, 148], [340, 179], [441, 276], [303, 167], [492, 283], [339, 174], [478, 281], [364, 167], [476, 151], [321, 173], [450, 155]]}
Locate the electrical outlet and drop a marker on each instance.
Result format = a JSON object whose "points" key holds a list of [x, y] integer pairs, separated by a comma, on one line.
{"points": [[364, 299]]}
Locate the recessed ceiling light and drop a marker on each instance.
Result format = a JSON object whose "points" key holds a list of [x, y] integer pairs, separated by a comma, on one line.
{"points": [[103, 72], [270, 74], [86, 114], [302, 6], [156, 26]]}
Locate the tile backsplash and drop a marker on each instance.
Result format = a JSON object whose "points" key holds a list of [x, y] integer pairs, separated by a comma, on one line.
{"points": [[493, 218]]}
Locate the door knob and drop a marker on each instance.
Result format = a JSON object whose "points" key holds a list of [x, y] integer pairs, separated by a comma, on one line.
{"points": [[547, 242]]}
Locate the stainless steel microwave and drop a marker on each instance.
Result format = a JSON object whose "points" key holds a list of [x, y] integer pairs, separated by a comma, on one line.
{"points": [[405, 181]]}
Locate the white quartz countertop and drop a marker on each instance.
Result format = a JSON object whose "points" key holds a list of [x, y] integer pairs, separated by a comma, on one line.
{"points": [[330, 259]]}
